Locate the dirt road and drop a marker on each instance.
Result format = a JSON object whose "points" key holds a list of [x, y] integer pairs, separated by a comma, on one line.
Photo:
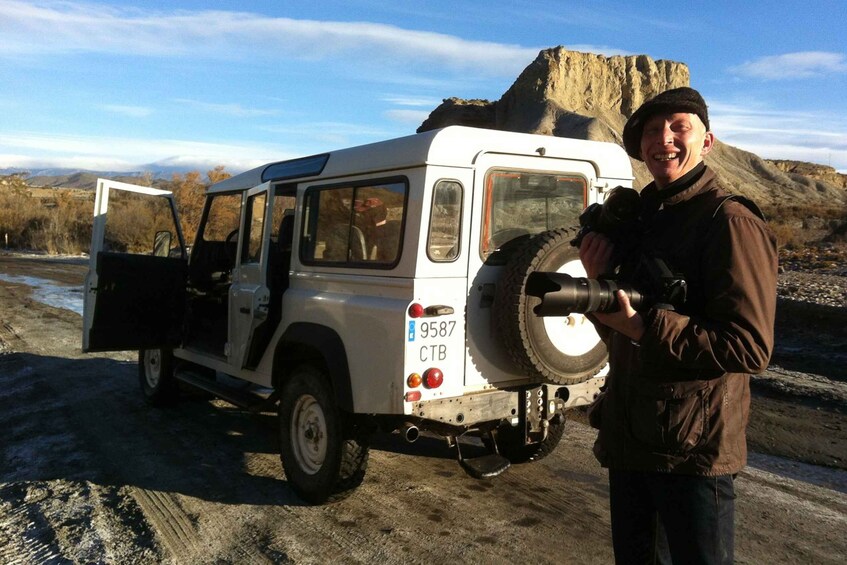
{"points": [[89, 473]]}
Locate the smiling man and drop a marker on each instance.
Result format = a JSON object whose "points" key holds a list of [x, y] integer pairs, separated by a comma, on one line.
{"points": [[672, 420]]}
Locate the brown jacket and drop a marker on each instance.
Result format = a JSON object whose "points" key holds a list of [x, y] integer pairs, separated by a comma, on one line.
{"points": [[679, 400]]}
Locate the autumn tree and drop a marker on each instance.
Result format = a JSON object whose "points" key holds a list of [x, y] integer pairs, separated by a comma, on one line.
{"points": [[190, 193], [217, 175]]}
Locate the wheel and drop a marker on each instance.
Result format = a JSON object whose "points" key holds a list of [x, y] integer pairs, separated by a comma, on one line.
{"points": [[323, 460], [511, 446], [156, 376], [562, 349]]}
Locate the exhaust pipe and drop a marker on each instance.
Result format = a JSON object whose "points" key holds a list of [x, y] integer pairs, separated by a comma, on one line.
{"points": [[410, 432]]}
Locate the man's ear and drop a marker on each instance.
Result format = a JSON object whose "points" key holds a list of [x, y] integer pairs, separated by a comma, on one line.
{"points": [[708, 143]]}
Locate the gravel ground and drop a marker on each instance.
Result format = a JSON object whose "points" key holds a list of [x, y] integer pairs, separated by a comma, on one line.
{"points": [[813, 288], [89, 474]]}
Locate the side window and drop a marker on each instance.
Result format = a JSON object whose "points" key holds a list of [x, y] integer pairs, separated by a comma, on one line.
{"points": [[519, 204], [445, 221], [255, 224], [359, 224]]}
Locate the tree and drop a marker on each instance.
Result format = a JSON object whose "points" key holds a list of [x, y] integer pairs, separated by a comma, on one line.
{"points": [[190, 194]]}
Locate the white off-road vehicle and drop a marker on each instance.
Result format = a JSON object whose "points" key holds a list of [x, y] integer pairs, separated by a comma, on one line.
{"points": [[375, 288]]}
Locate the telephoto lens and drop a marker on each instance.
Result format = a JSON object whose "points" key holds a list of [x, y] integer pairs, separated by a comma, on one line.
{"points": [[563, 294]]}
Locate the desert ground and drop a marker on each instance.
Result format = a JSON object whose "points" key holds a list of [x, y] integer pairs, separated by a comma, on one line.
{"points": [[90, 474]]}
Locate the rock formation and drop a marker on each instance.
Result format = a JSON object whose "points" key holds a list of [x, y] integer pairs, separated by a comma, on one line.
{"points": [[817, 172], [587, 96]]}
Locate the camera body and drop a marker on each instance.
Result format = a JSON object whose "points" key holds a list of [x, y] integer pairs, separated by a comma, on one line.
{"points": [[647, 280], [617, 217]]}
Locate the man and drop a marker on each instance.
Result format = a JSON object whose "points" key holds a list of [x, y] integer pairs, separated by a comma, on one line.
{"points": [[672, 420], [381, 236]]}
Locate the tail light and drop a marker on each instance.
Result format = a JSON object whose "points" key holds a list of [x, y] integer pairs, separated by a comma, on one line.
{"points": [[416, 310], [433, 378]]}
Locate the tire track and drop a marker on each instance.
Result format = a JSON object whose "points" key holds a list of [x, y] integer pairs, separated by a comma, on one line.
{"points": [[172, 525], [25, 536]]}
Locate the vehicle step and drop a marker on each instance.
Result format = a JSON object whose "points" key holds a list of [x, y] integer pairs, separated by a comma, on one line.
{"points": [[486, 466], [241, 398]]}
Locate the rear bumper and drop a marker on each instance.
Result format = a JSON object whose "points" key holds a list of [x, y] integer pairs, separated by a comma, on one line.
{"points": [[539, 402]]}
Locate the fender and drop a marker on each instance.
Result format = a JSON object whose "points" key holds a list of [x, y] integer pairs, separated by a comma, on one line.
{"points": [[304, 341]]}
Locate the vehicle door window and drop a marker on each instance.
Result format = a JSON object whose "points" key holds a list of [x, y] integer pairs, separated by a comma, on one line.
{"points": [[254, 222], [520, 204], [136, 224]]}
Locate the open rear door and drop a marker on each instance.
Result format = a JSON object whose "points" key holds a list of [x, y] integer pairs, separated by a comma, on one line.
{"points": [[134, 296]]}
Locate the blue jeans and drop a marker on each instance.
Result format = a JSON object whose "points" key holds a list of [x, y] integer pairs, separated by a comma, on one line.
{"points": [[667, 518]]}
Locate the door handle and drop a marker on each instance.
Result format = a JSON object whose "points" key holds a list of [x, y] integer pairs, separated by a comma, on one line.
{"points": [[244, 310]]}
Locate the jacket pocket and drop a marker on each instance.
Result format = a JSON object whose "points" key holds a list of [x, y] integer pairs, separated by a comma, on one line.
{"points": [[595, 411], [670, 417]]}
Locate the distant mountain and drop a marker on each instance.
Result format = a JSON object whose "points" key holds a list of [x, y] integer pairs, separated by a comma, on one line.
{"points": [[76, 178], [86, 179]]}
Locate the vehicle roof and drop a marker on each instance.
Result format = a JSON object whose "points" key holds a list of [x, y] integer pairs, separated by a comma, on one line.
{"points": [[454, 146]]}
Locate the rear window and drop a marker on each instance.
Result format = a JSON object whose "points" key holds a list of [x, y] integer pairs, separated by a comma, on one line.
{"points": [[445, 221], [358, 225], [520, 204]]}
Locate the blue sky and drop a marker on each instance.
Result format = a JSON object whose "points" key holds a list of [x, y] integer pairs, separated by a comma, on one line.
{"points": [[120, 84]]}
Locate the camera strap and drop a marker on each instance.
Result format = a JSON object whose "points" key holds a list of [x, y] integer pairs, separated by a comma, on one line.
{"points": [[749, 204]]}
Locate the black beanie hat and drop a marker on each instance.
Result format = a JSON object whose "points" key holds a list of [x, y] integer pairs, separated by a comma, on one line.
{"points": [[683, 99]]}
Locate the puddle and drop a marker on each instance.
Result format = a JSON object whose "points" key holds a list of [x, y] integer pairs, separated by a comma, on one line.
{"points": [[49, 293]]}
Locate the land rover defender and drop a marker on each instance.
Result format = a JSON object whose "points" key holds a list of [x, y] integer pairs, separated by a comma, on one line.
{"points": [[374, 288]]}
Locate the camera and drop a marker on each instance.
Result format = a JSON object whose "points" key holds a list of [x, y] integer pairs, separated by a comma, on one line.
{"points": [[617, 217], [647, 280], [654, 285]]}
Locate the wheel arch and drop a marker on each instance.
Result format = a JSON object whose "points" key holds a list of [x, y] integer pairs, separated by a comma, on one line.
{"points": [[309, 342]]}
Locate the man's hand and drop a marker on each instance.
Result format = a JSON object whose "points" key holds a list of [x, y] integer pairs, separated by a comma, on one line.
{"points": [[595, 252], [625, 321]]}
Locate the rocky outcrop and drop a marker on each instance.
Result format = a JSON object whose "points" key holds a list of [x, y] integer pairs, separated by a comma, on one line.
{"points": [[587, 96], [811, 170]]}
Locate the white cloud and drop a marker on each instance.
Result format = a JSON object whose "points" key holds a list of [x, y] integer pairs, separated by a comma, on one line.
{"points": [[233, 109], [412, 101], [415, 117], [131, 111], [129, 154], [70, 27], [817, 137], [323, 136], [790, 66]]}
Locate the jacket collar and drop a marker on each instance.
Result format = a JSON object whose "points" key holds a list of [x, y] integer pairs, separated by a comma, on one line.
{"points": [[681, 190]]}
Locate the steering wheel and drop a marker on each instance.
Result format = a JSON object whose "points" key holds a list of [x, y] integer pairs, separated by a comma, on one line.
{"points": [[230, 249]]}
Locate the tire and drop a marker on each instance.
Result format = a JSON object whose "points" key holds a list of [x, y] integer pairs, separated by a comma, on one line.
{"points": [[323, 460], [561, 350], [511, 446], [156, 376]]}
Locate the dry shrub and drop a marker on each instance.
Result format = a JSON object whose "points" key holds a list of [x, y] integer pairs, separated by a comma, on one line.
{"points": [[787, 222], [787, 235], [61, 223]]}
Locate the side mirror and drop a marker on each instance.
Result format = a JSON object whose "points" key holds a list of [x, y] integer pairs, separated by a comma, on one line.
{"points": [[162, 243]]}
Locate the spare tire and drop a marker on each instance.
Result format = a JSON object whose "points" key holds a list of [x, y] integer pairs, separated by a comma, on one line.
{"points": [[561, 350]]}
